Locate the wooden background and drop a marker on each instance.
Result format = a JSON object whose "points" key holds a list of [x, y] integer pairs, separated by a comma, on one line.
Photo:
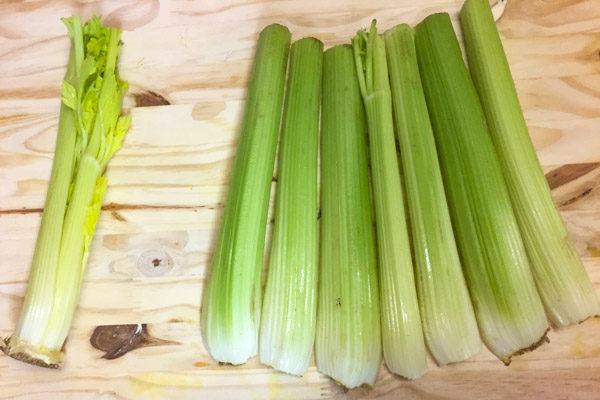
{"points": [[187, 63]]}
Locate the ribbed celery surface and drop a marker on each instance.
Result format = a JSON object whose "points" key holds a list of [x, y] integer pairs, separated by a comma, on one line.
{"points": [[508, 308], [230, 315], [348, 339], [446, 310], [566, 290], [91, 129], [402, 334], [288, 322]]}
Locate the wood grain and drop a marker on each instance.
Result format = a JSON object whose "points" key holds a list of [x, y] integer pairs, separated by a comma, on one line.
{"points": [[188, 63]]}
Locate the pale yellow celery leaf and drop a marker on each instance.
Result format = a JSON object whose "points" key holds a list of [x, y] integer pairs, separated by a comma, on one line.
{"points": [[91, 219], [68, 95]]}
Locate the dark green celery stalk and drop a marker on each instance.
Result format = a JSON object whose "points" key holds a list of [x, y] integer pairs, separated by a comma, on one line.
{"points": [[230, 315], [566, 290], [508, 308], [287, 332], [446, 310], [348, 338]]}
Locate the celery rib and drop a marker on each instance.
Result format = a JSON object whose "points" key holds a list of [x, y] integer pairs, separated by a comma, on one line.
{"points": [[508, 308], [402, 334], [289, 306], [348, 337], [230, 314], [446, 310], [90, 131], [562, 282]]}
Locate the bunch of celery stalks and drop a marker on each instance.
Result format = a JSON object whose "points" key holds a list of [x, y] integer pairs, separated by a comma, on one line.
{"points": [[437, 226]]}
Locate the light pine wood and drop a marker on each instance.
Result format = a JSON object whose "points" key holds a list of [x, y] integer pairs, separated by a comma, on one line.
{"points": [[167, 185]]}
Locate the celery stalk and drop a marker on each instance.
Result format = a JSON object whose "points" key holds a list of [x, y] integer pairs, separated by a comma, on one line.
{"points": [[287, 331], [348, 337], [566, 290], [402, 334], [446, 310], [508, 308], [90, 131], [230, 315]]}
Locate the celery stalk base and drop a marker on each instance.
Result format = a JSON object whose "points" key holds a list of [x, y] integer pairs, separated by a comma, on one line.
{"points": [[32, 354]]}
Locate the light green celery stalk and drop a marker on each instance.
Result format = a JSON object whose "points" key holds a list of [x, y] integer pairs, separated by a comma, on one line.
{"points": [[91, 129], [287, 331], [402, 334], [348, 337], [508, 308], [566, 291], [230, 315], [446, 310]]}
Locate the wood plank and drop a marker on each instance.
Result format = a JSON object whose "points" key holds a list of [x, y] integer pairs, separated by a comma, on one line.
{"points": [[576, 186], [566, 141], [549, 18], [566, 98], [190, 60]]}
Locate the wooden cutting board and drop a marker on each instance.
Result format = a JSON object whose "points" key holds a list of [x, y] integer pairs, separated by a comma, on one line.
{"points": [[187, 63]]}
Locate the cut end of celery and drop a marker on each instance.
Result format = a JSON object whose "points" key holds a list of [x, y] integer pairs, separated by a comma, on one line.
{"points": [[406, 373], [311, 39], [287, 365], [575, 306], [278, 30], [456, 349], [350, 381], [398, 28], [227, 349], [232, 356], [23, 351], [541, 341]]}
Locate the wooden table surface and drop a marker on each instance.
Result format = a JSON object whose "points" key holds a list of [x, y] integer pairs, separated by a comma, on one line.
{"points": [[187, 63]]}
